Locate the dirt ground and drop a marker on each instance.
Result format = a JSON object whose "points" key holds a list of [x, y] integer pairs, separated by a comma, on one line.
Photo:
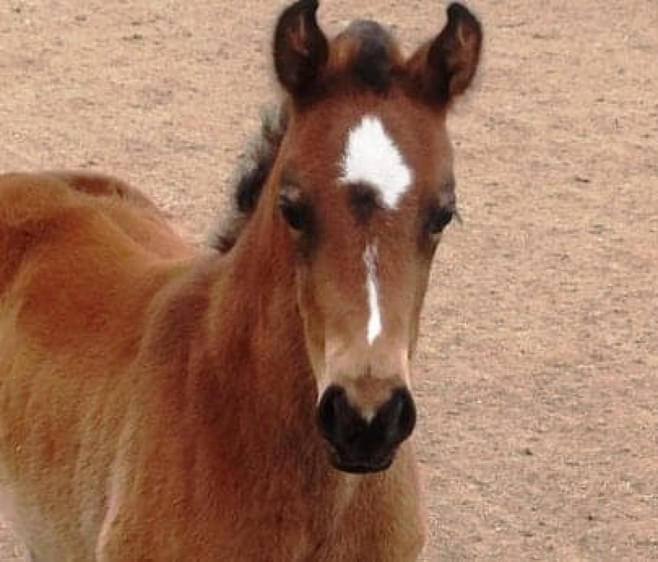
{"points": [[537, 374]]}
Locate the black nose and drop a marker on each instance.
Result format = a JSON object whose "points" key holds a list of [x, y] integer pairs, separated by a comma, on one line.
{"points": [[358, 445]]}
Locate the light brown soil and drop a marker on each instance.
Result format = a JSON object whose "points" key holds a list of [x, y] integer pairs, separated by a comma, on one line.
{"points": [[537, 374]]}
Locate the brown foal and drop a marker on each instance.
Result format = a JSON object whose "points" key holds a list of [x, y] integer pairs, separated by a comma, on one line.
{"points": [[165, 404]]}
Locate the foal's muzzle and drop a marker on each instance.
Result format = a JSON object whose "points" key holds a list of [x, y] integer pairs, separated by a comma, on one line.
{"points": [[358, 445]]}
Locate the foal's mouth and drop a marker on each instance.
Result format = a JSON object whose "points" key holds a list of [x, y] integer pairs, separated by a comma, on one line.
{"points": [[360, 466]]}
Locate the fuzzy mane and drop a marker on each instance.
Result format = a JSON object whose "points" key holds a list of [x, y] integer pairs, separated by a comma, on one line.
{"points": [[250, 177], [368, 55]]}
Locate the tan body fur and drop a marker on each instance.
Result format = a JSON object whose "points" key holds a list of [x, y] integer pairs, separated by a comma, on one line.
{"points": [[120, 355], [254, 404]]}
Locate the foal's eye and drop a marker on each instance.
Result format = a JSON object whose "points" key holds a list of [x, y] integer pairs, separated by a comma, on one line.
{"points": [[438, 218], [296, 213]]}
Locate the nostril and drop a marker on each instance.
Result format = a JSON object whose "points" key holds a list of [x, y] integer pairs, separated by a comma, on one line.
{"points": [[397, 417], [327, 410], [407, 416]]}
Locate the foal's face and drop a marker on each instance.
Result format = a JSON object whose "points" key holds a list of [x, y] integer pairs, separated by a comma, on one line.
{"points": [[366, 188], [367, 191]]}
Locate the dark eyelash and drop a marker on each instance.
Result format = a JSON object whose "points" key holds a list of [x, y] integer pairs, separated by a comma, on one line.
{"points": [[297, 214], [438, 218]]}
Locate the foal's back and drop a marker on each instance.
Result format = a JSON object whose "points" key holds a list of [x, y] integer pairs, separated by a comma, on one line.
{"points": [[82, 252], [82, 258], [30, 204]]}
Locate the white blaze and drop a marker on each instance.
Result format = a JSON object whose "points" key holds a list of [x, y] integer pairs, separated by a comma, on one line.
{"points": [[372, 286], [371, 157]]}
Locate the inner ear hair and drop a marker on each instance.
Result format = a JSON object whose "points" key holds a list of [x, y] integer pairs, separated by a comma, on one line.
{"points": [[300, 47], [445, 67]]}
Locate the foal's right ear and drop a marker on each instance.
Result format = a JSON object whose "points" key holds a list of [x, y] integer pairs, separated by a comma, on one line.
{"points": [[300, 48], [445, 67]]}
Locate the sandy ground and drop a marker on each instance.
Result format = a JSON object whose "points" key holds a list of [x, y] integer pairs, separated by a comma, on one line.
{"points": [[537, 371]]}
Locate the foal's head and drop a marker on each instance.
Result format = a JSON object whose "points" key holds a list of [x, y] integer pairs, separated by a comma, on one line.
{"points": [[365, 188]]}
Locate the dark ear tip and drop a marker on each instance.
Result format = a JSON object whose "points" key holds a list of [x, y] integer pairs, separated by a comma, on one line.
{"points": [[455, 8], [305, 6], [308, 7], [459, 15], [458, 12]]}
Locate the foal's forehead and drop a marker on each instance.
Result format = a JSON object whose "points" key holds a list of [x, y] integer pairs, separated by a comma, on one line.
{"points": [[382, 147], [363, 129], [372, 158]]}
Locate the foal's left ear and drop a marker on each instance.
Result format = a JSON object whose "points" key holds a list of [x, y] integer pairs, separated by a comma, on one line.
{"points": [[445, 67], [300, 48]]}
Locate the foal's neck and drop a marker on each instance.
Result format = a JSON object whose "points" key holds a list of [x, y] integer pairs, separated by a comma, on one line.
{"points": [[263, 404], [255, 318]]}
